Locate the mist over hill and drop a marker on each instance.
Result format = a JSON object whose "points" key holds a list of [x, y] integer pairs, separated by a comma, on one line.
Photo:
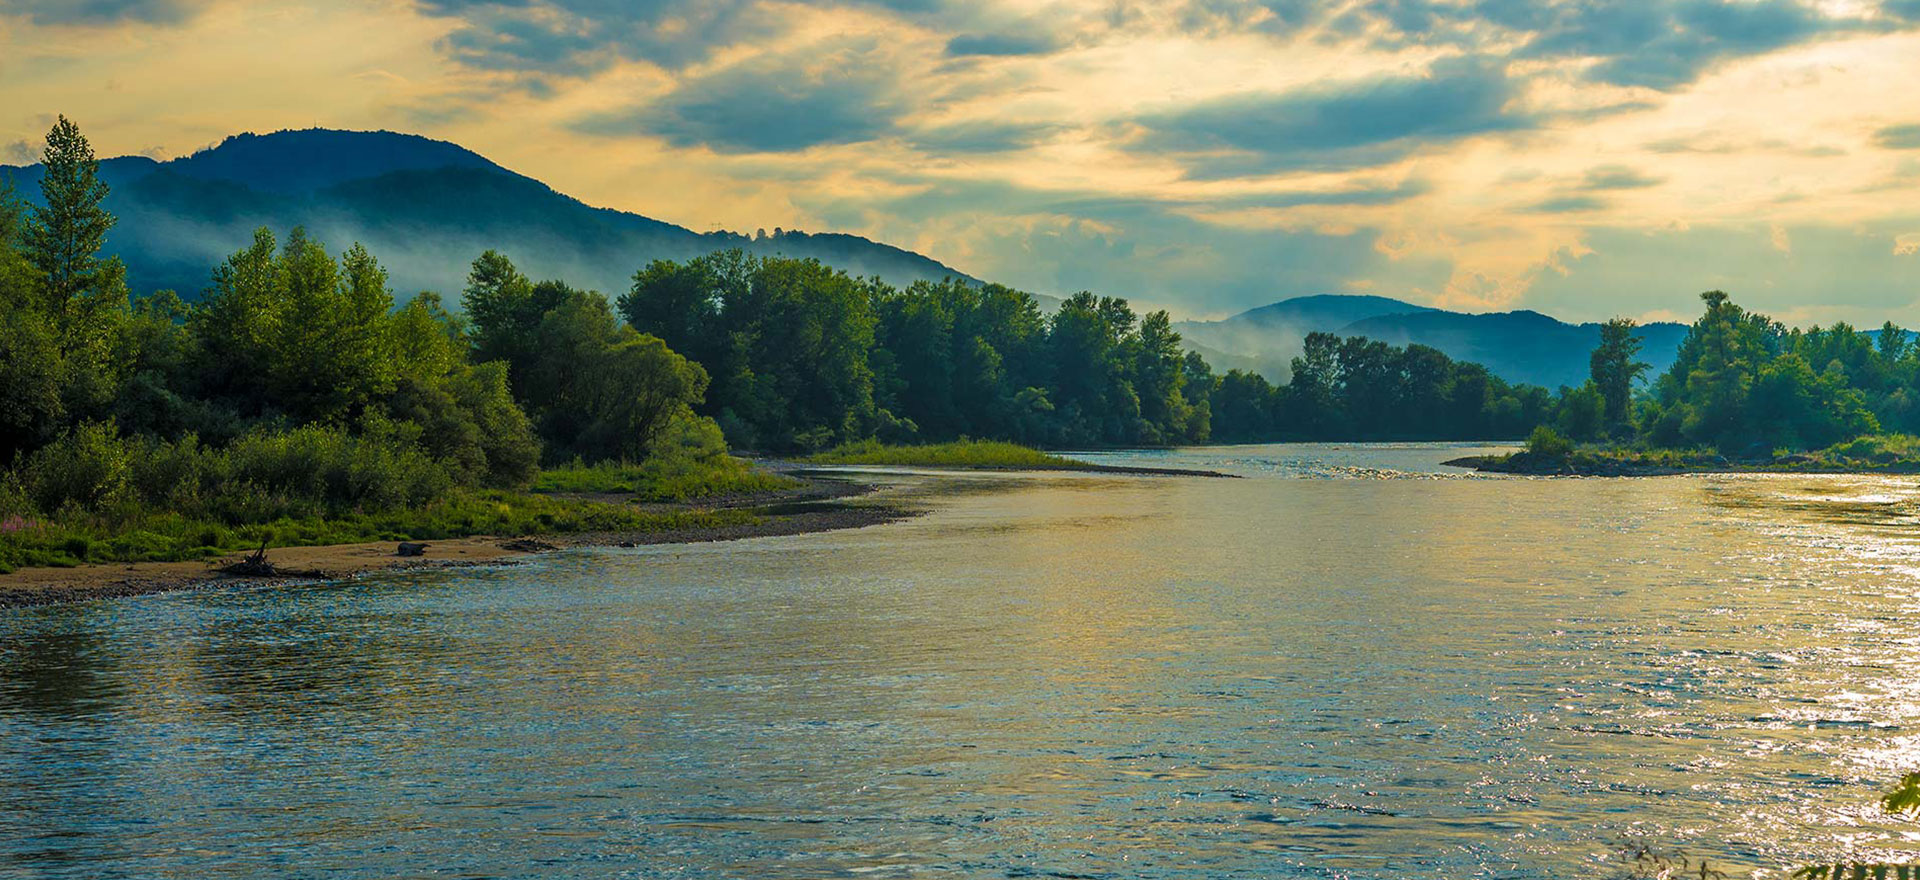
{"points": [[424, 207], [1521, 346]]}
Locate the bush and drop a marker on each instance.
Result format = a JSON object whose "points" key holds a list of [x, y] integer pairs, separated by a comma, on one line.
{"points": [[690, 464], [87, 467], [1547, 443], [323, 469]]}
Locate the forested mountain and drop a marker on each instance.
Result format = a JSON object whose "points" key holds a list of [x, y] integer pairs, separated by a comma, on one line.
{"points": [[1523, 346], [425, 206]]}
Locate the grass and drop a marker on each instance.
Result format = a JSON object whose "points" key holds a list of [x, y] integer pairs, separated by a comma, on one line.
{"points": [[960, 453], [1869, 453], [665, 479], [166, 537]]}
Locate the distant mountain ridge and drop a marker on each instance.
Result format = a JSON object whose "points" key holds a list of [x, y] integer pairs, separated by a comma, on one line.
{"points": [[424, 207], [1520, 346]]}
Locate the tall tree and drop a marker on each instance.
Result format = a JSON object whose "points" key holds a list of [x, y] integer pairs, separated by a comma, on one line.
{"points": [[1614, 370], [64, 236]]}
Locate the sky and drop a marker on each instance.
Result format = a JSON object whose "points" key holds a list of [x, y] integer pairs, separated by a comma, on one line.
{"points": [[1584, 158]]}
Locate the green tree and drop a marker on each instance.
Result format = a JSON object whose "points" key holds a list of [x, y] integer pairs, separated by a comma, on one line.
{"points": [[1613, 369], [64, 236]]}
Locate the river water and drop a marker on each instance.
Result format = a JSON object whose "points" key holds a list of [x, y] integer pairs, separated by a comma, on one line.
{"points": [[1353, 663]]}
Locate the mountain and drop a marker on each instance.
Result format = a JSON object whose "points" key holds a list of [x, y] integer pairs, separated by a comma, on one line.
{"points": [[1266, 339], [1521, 346], [425, 208]]}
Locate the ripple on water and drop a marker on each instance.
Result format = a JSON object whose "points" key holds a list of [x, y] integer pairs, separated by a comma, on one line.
{"points": [[1327, 670]]}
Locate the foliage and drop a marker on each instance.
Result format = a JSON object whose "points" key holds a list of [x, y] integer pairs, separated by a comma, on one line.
{"points": [[592, 387], [294, 397], [1745, 385], [1547, 443], [959, 453], [1904, 799], [152, 534], [785, 341], [62, 240], [1614, 370], [665, 479], [689, 464]]}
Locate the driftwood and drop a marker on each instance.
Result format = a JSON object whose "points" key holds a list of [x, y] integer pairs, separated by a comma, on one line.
{"points": [[256, 565], [527, 545]]}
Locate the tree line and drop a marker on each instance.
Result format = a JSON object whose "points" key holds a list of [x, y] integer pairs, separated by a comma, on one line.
{"points": [[802, 356], [295, 386], [1747, 386]]}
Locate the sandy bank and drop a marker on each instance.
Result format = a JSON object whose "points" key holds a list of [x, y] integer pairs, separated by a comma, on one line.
{"points": [[799, 512]]}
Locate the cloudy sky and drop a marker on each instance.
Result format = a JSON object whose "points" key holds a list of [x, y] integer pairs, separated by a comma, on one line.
{"points": [[1581, 157]]}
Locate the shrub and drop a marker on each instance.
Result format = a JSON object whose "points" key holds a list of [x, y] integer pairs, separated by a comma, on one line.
{"points": [[323, 469], [960, 453], [87, 467], [1548, 443]]}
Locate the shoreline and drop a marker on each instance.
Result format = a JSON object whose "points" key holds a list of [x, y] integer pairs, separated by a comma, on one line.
{"points": [[820, 504], [1523, 464], [817, 506]]}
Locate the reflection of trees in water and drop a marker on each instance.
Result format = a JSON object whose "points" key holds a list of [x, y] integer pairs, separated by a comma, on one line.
{"points": [[56, 669], [59, 684], [276, 668], [1840, 503]]}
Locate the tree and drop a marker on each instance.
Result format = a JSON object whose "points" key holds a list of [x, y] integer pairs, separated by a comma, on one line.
{"points": [[1614, 370], [1892, 344], [64, 235]]}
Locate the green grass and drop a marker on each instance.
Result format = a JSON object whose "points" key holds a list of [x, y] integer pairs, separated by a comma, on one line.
{"points": [[1874, 450], [164, 537], [1869, 453], [960, 453], [665, 479]]}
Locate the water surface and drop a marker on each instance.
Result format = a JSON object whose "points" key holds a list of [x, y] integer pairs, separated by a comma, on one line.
{"points": [[1353, 663]]}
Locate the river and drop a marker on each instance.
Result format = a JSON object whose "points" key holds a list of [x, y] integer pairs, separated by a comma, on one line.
{"points": [[1353, 663]]}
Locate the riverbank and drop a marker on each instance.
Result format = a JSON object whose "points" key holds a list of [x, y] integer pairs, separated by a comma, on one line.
{"points": [[814, 505], [981, 455], [812, 500], [1602, 464]]}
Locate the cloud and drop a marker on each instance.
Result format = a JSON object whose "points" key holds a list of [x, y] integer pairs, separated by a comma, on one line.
{"points": [[20, 152], [1665, 45], [1003, 44], [1658, 44], [1340, 126], [1711, 143], [1605, 177], [1898, 137], [981, 136], [1567, 205], [1161, 251], [96, 12], [1830, 272], [575, 37], [771, 104]]}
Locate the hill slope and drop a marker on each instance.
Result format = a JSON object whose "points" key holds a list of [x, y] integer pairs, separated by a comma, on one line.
{"points": [[1265, 339], [425, 208], [1520, 346]]}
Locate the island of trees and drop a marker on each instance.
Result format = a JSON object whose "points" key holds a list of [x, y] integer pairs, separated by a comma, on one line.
{"points": [[294, 401]]}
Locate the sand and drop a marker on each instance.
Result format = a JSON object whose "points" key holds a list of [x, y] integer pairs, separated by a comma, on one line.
{"points": [[48, 586]]}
